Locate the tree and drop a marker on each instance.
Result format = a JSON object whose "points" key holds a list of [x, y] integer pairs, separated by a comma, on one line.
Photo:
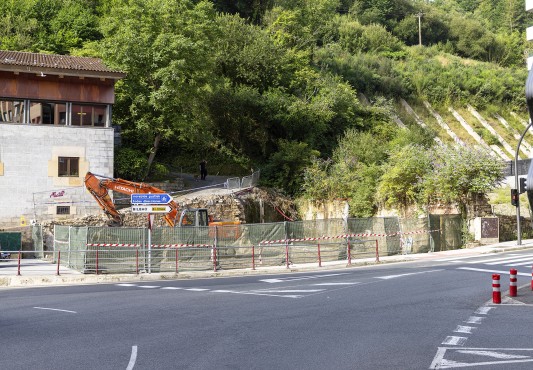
{"points": [[403, 177], [460, 173], [166, 49]]}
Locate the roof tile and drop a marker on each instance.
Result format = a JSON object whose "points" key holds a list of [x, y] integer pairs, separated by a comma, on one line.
{"points": [[64, 62]]}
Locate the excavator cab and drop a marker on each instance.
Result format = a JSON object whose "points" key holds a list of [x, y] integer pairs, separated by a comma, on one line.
{"points": [[194, 217]]}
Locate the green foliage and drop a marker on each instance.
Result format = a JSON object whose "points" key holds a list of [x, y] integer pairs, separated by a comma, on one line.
{"points": [[403, 177], [56, 26], [276, 83], [130, 164], [158, 172], [286, 167], [460, 173]]}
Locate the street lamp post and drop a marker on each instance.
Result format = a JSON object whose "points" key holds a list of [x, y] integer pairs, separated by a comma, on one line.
{"points": [[517, 185]]}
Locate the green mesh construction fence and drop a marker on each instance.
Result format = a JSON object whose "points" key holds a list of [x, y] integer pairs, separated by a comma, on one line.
{"points": [[38, 242], [113, 250], [10, 241]]}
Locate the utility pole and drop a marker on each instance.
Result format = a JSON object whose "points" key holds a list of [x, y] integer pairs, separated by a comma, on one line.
{"points": [[419, 15]]}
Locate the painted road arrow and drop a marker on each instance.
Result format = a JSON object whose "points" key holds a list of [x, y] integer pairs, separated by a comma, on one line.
{"points": [[159, 198]]}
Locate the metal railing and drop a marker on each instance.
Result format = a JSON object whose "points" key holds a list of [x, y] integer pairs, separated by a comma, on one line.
{"points": [[101, 259]]}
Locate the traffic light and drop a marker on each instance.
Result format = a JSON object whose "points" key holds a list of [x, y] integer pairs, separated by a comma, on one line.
{"points": [[515, 197], [523, 185]]}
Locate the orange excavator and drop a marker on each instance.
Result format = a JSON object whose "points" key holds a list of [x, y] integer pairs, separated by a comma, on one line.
{"points": [[99, 187]]}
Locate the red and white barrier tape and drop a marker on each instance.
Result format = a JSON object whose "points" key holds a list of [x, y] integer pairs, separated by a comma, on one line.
{"points": [[153, 245], [344, 237]]}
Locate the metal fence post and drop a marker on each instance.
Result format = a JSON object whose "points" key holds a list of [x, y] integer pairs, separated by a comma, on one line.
{"points": [[319, 258], [377, 251], [177, 257], [253, 257], [137, 260], [58, 261], [69, 240], [97, 260], [18, 268], [214, 249], [286, 244], [349, 253]]}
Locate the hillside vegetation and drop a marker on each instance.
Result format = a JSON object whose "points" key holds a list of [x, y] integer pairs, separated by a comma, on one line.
{"points": [[308, 91]]}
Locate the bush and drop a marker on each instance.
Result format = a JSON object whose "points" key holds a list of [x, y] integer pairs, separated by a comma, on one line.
{"points": [[130, 164], [158, 172]]}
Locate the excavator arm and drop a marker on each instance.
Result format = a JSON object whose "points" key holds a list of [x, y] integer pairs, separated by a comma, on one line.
{"points": [[99, 187]]}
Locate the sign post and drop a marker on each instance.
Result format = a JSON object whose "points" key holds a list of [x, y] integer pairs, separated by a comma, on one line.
{"points": [[150, 204], [150, 225]]}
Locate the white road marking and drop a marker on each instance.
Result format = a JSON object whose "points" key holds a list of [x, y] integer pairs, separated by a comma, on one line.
{"points": [[149, 286], [528, 262], [172, 288], [459, 259], [126, 284], [439, 362], [54, 309], [474, 320], [454, 341], [401, 275], [196, 289], [492, 354], [222, 291], [483, 310], [464, 329], [330, 284], [508, 260], [133, 358], [282, 280], [500, 258], [288, 291], [492, 271]]}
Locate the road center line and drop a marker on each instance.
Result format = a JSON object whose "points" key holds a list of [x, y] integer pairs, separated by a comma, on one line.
{"points": [[133, 358], [54, 309]]}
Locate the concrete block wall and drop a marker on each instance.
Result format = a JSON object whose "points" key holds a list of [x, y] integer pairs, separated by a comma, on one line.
{"points": [[30, 188]]}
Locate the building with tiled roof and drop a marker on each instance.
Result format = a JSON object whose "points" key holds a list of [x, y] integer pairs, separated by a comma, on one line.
{"points": [[55, 125]]}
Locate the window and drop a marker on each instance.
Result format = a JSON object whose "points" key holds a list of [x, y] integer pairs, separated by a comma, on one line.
{"points": [[49, 113], [11, 111], [63, 210], [88, 115], [68, 166]]}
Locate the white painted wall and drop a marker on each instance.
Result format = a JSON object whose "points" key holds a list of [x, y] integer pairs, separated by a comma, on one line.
{"points": [[529, 5], [29, 186]]}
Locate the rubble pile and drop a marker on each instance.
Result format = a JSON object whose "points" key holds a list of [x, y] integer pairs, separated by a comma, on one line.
{"points": [[222, 207]]}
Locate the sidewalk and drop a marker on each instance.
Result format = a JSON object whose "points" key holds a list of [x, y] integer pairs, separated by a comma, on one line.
{"points": [[34, 272]]}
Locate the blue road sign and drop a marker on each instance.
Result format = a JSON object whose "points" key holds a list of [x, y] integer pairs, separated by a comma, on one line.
{"points": [[159, 198]]}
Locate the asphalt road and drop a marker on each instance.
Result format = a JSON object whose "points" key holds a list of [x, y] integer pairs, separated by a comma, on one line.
{"points": [[417, 315]]}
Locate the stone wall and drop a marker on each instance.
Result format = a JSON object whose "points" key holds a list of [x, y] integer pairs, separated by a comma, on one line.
{"points": [[30, 187]]}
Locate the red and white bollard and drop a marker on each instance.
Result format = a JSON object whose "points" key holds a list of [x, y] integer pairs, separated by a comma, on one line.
{"points": [[496, 294], [512, 283]]}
